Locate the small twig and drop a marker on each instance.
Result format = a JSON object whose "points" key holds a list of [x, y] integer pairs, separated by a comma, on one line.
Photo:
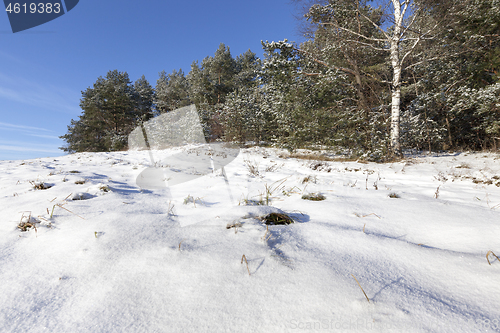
{"points": [[243, 257], [495, 207], [171, 209], [436, 195], [372, 214], [60, 206], [67, 196], [364, 227], [487, 254], [361, 288]]}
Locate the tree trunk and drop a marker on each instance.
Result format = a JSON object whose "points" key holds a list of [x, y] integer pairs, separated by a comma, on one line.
{"points": [[396, 81]]}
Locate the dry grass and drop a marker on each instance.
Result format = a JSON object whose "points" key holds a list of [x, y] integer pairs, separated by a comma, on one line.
{"points": [[234, 225], [291, 190], [266, 196], [265, 237], [26, 223], [493, 254], [245, 258], [463, 166], [394, 195], [252, 167], [310, 179], [190, 199], [274, 167], [361, 288], [311, 157], [40, 186], [105, 188], [276, 219], [360, 215], [60, 205], [171, 209], [314, 197], [320, 166], [436, 195]]}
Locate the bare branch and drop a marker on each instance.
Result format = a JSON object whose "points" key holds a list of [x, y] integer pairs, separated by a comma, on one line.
{"points": [[375, 25], [410, 51], [435, 58], [411, 22], [310, 74], [405, 4], [366, 44], [457, 82], [353, 32], [342, 69]]}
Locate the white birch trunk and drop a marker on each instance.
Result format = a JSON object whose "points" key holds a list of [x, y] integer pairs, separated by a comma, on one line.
{"points": [[396, 79]]}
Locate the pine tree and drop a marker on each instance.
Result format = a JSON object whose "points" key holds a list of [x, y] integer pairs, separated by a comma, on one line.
{"points": [[144, 98], [172, 91], [456, 89], [110, 111]]}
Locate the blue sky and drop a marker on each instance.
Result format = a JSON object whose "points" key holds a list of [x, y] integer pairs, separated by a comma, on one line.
{"points": [[43, 70]]}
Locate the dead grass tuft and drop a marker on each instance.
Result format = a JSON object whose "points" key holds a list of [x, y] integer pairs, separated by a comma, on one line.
{"points": [[27, 222], [40, 186], [252, 167], [191, 199], [310, 179], [276, 219], [314, 197], [320, 166], [105, 188]]}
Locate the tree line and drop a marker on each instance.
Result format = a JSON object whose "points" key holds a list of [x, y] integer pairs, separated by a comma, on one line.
{"points": [[372, 80]]}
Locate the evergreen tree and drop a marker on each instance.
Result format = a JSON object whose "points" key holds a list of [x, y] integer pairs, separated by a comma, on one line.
{"points": [[172, 91], [212, 81], [457, 91], [248, 67], [111, 109], [144, 98]]}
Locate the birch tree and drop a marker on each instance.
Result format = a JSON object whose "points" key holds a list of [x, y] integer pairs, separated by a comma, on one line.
{"points": [[398, 37]]}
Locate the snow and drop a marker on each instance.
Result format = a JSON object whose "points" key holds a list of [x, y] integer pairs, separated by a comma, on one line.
{"points": [[109, 256]]}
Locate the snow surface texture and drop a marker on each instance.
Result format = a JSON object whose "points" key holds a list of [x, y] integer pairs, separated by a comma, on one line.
{"points": [[107, 256]]}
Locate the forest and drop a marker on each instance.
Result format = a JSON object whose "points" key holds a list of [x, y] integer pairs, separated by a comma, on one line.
{"points": [[372, 79]]}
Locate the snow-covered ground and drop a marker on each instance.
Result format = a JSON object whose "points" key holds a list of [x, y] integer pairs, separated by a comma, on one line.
{"points": [[108, 256]]}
